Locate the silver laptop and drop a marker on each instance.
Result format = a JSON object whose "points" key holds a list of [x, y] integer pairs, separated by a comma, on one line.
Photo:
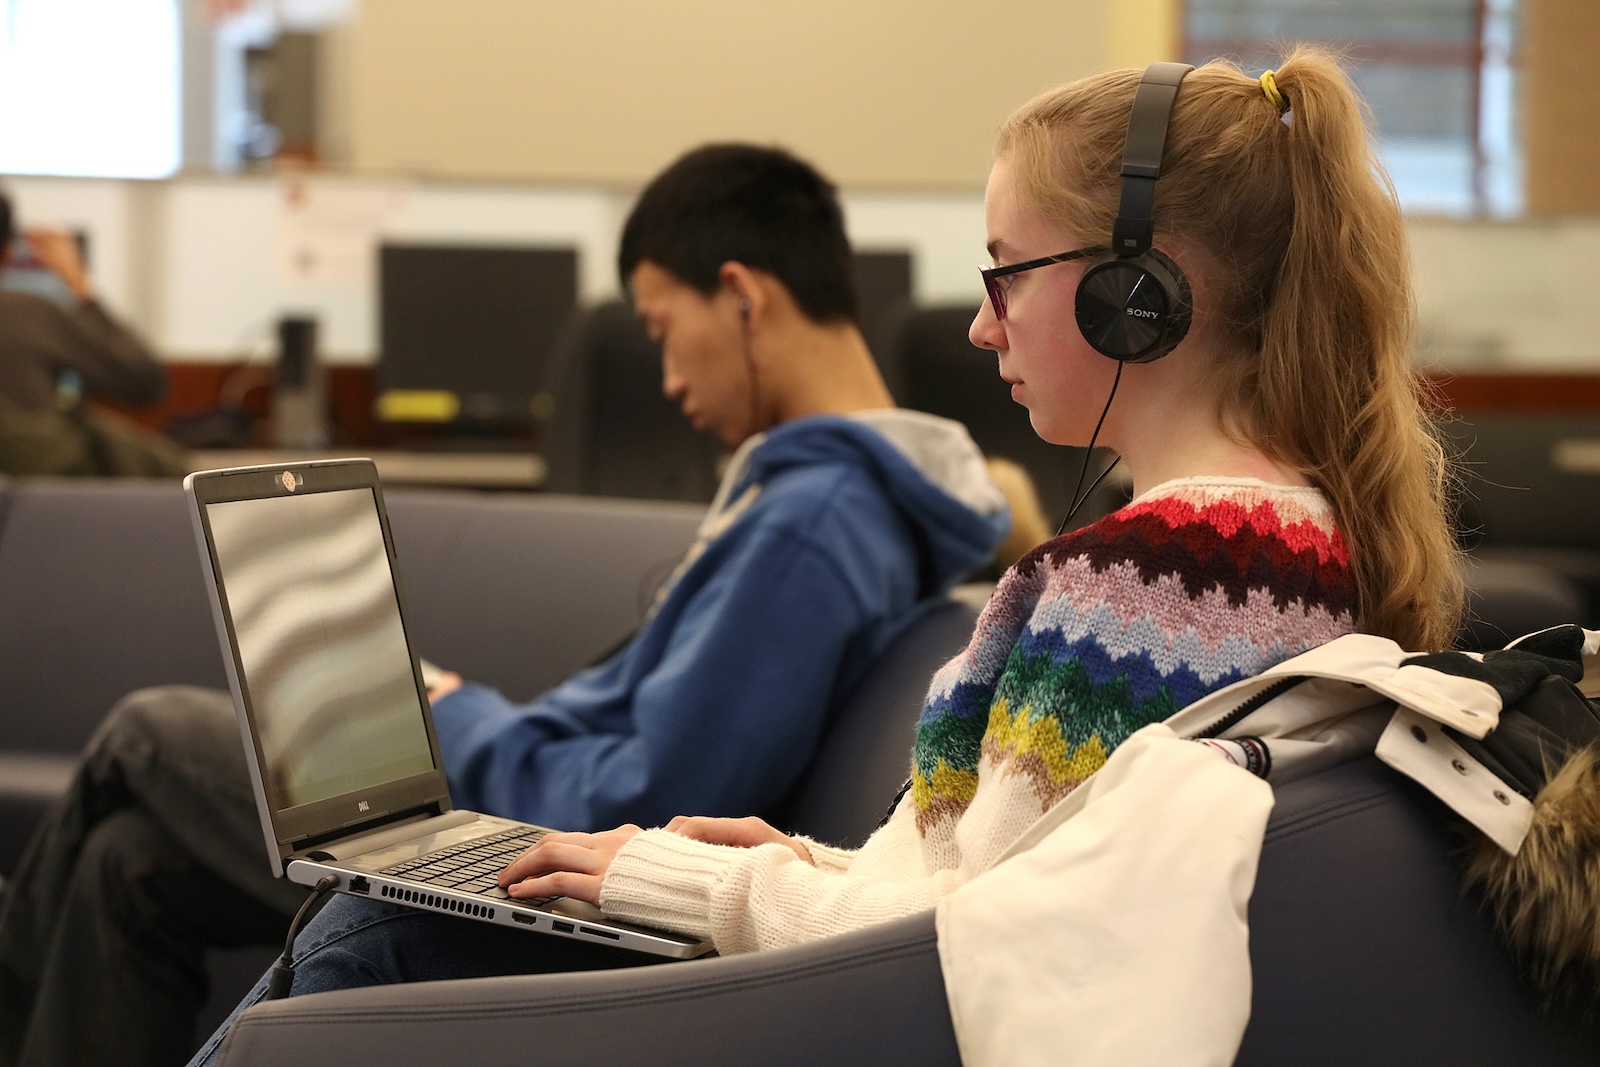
{"points": [[300, 566]]}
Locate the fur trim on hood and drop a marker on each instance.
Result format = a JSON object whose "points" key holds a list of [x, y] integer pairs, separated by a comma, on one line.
{"points": [[1544, 896], [1545, 900]]}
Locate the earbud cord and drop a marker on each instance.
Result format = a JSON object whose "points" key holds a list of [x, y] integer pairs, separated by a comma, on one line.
{"points": [[1088, 453], [750, 370]]}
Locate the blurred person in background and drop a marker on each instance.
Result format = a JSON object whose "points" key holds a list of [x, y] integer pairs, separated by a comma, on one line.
{"points": [[60, 348]]}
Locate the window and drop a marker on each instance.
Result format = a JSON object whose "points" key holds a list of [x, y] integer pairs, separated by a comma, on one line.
{"points": [[1438, 75], [89, 87]]}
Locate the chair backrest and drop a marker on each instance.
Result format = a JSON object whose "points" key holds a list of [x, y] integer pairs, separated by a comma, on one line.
{"points": [[864, 756], [610, 431], [101, 592], [1507, 598], [1531, 479], [1364, 948], [518, 592], [940, 372]]}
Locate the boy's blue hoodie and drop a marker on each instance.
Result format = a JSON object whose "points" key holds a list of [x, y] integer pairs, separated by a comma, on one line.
{"points": [[826, 533]]}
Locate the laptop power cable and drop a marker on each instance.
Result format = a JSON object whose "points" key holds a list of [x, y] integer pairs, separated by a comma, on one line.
{"points": [[283, 971]]}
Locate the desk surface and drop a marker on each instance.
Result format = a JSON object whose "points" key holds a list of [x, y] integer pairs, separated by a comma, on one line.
{"points": [[478, 470]]}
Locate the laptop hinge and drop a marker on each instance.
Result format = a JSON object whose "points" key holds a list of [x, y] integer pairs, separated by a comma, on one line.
{"points": [[396, 826]]}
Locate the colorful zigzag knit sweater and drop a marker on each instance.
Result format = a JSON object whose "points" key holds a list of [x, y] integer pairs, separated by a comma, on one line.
{"points": [[1198, 583]]}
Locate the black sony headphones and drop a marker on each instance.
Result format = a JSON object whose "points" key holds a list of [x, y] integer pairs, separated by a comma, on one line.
{"points": [[1133, 303]]}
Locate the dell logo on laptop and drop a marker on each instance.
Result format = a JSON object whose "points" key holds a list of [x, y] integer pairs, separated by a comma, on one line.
{"points": [[362, 805], [291, 481]]}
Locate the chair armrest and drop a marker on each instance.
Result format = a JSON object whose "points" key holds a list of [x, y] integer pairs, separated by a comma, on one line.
{"points": [[871, 997]]}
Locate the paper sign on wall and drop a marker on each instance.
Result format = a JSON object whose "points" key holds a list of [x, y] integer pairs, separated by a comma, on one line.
{"points": [[328, 231]]}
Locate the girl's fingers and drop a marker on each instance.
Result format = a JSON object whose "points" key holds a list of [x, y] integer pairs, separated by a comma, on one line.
{"points": [[584, 887], [564, 852]]}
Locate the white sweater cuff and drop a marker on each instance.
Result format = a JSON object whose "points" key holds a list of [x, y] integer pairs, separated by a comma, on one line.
{"points": [[664, 880]]}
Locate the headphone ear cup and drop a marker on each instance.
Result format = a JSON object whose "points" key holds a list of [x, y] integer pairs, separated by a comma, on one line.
{"points": [[1134, 309]]}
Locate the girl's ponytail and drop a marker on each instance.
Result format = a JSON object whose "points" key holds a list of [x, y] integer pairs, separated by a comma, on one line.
{"points": [[1336, 381]]}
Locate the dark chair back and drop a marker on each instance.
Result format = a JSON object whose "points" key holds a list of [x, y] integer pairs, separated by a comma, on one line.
{"points": [[1532, 498], [518, 592], [939, 371], [1364, 948], [865, 755], [102, 592], [884, 282], [610, 431], [1530, 479]]}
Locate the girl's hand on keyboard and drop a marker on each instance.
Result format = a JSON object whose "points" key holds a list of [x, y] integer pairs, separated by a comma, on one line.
{"points": [[739, 833], [565, 865]]}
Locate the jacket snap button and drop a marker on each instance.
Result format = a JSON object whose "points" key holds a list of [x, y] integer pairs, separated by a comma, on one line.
{"points": [[1417, 732], [1501, 797], [1461, 768]]}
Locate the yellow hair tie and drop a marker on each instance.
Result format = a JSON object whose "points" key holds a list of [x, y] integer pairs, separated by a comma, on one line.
{"points": [[1269, 85]]}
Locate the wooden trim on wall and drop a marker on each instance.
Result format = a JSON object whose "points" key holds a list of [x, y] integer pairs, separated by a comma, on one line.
{"points": [[195, 389], [1513, 392]]}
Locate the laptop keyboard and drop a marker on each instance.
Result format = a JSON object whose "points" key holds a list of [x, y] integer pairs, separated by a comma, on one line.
{"points": [[471, 866]]}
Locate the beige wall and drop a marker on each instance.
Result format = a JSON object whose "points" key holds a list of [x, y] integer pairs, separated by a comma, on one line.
{"points": [[879, 93]]}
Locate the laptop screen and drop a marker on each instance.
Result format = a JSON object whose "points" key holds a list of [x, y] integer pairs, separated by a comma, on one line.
{"points": [[320, 642]]}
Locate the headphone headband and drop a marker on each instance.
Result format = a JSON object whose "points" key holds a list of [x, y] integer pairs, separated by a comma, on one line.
{"points": [[1142, 148], [1134, 304]]}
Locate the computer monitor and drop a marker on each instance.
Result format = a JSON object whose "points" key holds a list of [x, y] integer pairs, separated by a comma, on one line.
{"points": [[883, 279], [465, 331]]}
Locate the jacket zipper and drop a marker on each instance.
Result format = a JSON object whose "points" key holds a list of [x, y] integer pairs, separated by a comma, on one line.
{"points": [[1271, 692]]}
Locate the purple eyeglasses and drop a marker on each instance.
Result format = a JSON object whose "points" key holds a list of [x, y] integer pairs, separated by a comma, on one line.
{"points": [[997, 291]]}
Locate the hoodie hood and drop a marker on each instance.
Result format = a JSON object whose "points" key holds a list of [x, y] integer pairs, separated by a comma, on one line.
{"points": [[927, 466]]}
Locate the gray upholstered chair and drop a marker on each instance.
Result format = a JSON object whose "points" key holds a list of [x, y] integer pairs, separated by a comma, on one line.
{"points": [[1365, 951], [100, 593]]}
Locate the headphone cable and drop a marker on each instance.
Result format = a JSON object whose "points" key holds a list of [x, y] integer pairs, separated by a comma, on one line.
{"points": [[1088, 454]]}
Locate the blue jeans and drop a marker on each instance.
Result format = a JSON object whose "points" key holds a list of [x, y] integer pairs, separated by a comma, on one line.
{"points": [[355, 942]]}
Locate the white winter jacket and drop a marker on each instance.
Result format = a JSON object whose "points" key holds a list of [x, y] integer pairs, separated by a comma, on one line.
{"points": [[1114, 930]]}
